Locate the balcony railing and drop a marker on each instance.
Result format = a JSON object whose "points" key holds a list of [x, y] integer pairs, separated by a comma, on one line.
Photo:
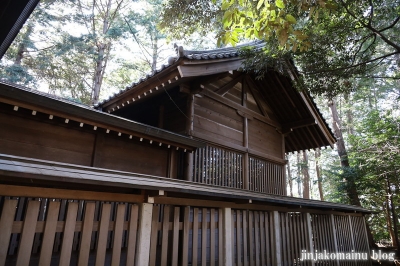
{"points": [[222, 167]]}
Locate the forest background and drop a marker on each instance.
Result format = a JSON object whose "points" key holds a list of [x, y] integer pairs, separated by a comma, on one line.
{"points": [[347, 52]]}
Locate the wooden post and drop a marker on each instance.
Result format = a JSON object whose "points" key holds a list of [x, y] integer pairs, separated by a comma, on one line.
{"points": [[227, 236], [189, 166], [245, 141], [172, 163], [309, 236], [276, 238], [246, 171], [332, 219], [189, 130], [6, 222], [144, 232]]}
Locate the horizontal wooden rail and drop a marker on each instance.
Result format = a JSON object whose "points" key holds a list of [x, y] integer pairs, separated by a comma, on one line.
{"points": [[39, 192]]}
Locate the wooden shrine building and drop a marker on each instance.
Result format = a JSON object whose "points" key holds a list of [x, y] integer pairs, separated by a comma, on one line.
{"points": [[185, 167]]}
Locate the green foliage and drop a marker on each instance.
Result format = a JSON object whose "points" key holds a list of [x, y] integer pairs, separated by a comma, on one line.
{"points": [[16, 74], [331, 42], [181, 18]]}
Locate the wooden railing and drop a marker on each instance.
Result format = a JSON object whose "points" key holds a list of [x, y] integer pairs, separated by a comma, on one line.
{"points": [[266, 177], [218, 167], [78, 231], [48, 231], [222, 167]]}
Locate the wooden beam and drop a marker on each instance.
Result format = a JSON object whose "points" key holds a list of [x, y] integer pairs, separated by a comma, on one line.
{"points": [[40, 192], [248, 79], [239, 107], [299, 124], [225, 88]]}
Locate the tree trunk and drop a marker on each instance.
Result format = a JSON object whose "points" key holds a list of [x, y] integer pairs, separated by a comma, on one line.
{"points": [[103, 50], [306, 176], [154, 55], [342, 152], [389, 221], [318, 171], [344, 162], [290, 181], [22, 45], [349, 114], [298, 179], [394, 216]]}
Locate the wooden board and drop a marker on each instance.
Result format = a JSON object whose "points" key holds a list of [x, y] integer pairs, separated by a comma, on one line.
{"points": [[264, 138], [29, 138], [133, 156]]}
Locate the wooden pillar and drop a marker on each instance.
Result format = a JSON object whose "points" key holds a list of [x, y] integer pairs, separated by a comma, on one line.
{"points": [[284, 177], [309, 237], [189, 130], [172, 163], [276, 239], [189, 166], [227, 236], [144, 232], [332, 220], [245, 140]]}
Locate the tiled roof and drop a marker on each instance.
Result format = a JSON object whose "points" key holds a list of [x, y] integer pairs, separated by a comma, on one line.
{"points": [[229, 52]]}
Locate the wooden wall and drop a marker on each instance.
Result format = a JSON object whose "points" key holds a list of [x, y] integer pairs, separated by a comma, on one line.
{"points": [[31, 136], [265, 139], [217, 122]]}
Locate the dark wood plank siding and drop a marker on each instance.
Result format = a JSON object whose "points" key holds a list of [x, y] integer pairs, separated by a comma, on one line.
{"points": [[29, 138], [217, 121], [132, 156], [265, 139], [22, 136]]}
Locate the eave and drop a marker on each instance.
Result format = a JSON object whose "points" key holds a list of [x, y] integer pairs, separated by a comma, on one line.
{"points": [[38, 102], [36, 171]]}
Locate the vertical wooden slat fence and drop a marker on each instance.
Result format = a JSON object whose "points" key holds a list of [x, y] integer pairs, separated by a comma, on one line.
{"points": [[251, 234], [344, 237], [106, 234], [323, 236], [221, 167], [185, 236], [360, 238], [64, 232], [295, 238], [266, 177]]}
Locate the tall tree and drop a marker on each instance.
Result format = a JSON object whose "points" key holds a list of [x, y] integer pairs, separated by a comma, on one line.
{"points": [[331, 41], [100, 19], [15, 66], [318, 172], [143, 25], [342, 152], [289, 176], [306, 176]]}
